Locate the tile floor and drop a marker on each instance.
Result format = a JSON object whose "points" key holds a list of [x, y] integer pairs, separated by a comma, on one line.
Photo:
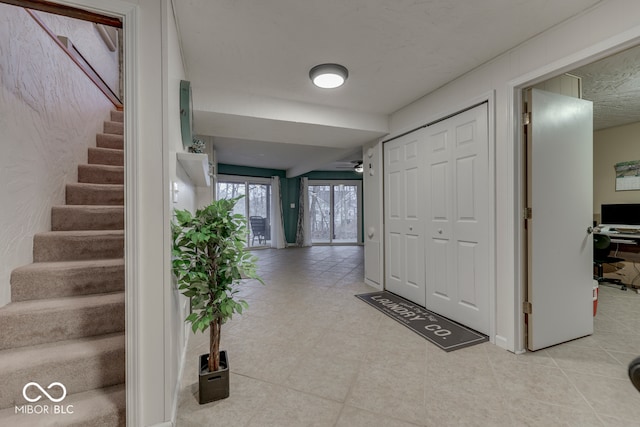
{"points": [[308, 353]]}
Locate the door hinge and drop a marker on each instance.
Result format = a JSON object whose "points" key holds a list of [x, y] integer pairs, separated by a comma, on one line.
{"points": [[527, 213], [526, 307], [526, 118]]}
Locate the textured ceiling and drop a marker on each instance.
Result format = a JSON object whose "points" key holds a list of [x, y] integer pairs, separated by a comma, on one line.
{"points": [[613, 84]]}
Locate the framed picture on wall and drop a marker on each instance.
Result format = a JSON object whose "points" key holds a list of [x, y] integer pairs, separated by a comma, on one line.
{"points": [[186, 114], [628, 175]]}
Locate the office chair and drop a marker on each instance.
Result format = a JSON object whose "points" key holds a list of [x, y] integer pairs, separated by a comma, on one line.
{"points": [[601, 250], [634, 372]]}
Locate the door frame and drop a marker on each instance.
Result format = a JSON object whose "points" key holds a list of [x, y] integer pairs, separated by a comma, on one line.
{"points": [[490, 98], [515, 110], [129, 14], [247, 181], [332, 182]]}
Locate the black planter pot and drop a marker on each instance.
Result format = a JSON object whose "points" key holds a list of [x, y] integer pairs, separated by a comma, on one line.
{"points": [[213, 385]]}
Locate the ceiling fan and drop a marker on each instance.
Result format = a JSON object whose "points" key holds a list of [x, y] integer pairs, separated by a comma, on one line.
{"points": [[356, 165]]}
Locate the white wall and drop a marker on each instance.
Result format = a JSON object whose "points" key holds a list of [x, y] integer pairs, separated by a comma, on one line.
{"points": [[150, 365], [372, 178], [176, 307], [611, 146], [150, 372], [50, 113], [577, 41], [85, 37]]}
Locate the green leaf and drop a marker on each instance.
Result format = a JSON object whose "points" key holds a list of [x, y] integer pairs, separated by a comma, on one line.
{"points": [[210, 261]]}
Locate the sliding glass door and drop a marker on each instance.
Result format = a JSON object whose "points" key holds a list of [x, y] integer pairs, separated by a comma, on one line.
{"points": [[255, 206], [334, 208]]}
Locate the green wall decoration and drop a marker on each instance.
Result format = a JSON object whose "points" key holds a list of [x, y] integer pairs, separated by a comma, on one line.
{"points": [[186, 114]]}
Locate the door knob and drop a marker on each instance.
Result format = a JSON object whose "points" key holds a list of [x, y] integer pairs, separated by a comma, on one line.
{"points": [[439, 230], [589, 230]]}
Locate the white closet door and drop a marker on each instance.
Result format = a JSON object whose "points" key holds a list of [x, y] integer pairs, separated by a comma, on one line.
{"points": [[404, 219], [457, 222]]}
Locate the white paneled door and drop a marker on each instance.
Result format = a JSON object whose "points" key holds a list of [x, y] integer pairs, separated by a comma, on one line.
{"points": [[457, 218], [404, 218], [437, 225], [560, 283]]}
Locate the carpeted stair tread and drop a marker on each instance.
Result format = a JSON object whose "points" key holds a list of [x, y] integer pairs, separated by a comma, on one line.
{"points": [[66, 321], [107, 140], [117, 116], [96, 408], [94, 194], [66, 278], [79, 364], [34, 322], [106, 156], [78, 245], [116, 128], [87, 217], [101, 174]]}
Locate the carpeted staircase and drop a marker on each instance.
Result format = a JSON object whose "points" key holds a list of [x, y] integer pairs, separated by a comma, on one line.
{"points": [[65, 322]]}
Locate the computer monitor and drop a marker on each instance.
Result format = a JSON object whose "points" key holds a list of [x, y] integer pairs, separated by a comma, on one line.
{"points": [[620, 214]]}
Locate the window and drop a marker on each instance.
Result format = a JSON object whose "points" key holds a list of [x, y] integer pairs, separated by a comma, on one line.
{"points": [[334, 208], [255, 206]]}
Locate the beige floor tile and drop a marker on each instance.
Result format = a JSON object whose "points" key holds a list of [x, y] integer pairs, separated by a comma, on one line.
{"points": [[498, 355], [454, 413], [468, 375], [533, 413], [291, 408], [609, 396], [387, 354], [248, 398], [307, 352], [617, 422], [603, 323], [536, 382], [354, 417], [324, 376], [266, 362], [365, 324], [623, 358], [392, 392], [588, 360], [345, 345]]}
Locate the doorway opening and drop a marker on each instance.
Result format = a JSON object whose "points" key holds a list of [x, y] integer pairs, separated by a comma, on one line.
{"points": [[611, 84]]}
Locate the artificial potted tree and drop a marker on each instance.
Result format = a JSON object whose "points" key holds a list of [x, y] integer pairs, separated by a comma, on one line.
{"points": [[210, 259]]}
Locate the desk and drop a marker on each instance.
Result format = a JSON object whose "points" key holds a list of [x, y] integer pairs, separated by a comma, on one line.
{"points": [[622, 238], [627, 247]]}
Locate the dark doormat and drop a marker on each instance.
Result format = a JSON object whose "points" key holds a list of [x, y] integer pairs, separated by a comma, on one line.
{"points": [[442, 332]]}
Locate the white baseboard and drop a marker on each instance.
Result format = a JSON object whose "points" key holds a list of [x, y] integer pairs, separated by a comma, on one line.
{"points": [[176, 394], [502, 342], [373, 284]]}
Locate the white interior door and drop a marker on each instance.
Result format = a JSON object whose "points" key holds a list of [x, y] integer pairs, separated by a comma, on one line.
{"points": [[560, 191], [404, 221], [457, 218]]}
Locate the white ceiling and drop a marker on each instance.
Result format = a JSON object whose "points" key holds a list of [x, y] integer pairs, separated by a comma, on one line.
{"points": [[248, 63]]}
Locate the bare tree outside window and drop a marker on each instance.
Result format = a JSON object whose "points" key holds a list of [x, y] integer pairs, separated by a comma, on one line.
{"points": [[255, 206], [334, 213]]}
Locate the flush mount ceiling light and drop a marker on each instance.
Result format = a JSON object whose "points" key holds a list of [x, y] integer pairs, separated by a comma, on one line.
{"points": [[328, 76]]}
